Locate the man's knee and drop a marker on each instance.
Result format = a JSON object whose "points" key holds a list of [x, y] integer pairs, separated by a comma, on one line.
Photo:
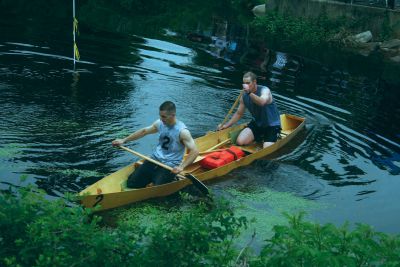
{"points": [[136, 181], [243, 140], [133, 183], [240, 142], [245, 137], [167, 178]]}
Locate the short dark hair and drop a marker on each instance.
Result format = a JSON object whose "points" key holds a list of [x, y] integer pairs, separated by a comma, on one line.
{"points": [[168, 106], [250, 75]]}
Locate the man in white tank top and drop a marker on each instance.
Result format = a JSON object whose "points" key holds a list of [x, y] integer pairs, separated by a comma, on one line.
{"points": [[174, 137]]}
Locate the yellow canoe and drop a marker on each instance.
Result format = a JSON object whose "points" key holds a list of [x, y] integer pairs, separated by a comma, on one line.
{"points": [[110, 191]]}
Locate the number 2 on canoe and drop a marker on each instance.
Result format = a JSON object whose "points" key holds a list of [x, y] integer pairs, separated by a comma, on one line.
{"points": [[99, 198]]}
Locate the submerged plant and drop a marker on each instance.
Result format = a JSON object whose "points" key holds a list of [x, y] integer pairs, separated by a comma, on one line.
{"points": [[10, 150]]}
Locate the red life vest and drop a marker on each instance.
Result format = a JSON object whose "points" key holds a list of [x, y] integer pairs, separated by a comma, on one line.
{"points": [[221, 158]]}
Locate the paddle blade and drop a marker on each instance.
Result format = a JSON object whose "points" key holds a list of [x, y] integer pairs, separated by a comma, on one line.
{"points": [[197, 183]]}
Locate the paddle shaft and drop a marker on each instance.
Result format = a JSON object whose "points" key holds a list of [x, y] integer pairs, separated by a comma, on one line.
{"points": [[218, 145], [202, 187], [215, 148], [150, 159], [232, 108], [211, 149]]}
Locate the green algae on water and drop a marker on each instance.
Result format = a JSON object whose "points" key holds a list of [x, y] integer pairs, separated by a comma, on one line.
{"points": [[264, 209], [10, 150], [78, 172]]}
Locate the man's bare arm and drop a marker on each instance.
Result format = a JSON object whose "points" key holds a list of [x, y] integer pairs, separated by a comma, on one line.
{"points": [[187, 140], [236, 117], [137, 135], [264, 99]]}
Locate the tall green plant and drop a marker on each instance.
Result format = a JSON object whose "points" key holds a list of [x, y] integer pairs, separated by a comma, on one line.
{"points": [[38, 232], [303, 243], [35, 231], [202, 235]]}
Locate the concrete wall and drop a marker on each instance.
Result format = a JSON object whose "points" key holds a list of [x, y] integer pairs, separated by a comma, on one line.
{"points": [[367, 18]]}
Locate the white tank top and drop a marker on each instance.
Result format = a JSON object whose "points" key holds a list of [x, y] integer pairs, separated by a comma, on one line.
{"points": [[169, 150]]}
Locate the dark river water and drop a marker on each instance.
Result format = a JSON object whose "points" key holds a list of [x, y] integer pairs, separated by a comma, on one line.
{"points": [[57, 124]]}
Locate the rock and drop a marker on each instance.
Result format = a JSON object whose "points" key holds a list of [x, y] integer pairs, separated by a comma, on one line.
{"points": [[370, 46], [365, 49], [363, 37], [364, 53], [259, 10], [395, 59], [394, 43]]}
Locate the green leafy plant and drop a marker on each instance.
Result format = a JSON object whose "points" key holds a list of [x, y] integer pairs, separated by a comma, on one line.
{"points": [[35, 231], [303, 243], [196, 235], [39, 232], [297, 32]]}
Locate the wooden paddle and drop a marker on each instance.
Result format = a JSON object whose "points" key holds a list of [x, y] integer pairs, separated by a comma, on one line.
{"points": [[208, 151], [218, 145], [196, 182], [232, 108], [211, 149]]}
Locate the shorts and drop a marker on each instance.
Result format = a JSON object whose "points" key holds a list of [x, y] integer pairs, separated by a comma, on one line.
{"points": [[265, 134], [148, 173]]}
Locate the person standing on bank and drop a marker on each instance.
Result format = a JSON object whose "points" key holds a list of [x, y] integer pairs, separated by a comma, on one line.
{"points": [[266, 123], [174, 137]]}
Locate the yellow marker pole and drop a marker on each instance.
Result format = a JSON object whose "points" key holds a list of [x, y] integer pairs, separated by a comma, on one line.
{"points": [[73, 25], [74, 31]]}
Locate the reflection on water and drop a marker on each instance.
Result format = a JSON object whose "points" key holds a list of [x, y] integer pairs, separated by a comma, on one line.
{"points": [[57, 124]]}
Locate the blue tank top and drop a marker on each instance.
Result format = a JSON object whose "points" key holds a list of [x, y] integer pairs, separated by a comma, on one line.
{"points": [[169, 150], [267, 115]]}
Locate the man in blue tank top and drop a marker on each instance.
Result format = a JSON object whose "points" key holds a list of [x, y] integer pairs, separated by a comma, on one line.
{"points": [[174, 137], [266, 123]]}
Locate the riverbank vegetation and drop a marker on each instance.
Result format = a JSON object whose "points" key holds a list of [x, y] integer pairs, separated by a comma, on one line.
{"points": [[36, 231], [297, 33], [133, 16]]}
